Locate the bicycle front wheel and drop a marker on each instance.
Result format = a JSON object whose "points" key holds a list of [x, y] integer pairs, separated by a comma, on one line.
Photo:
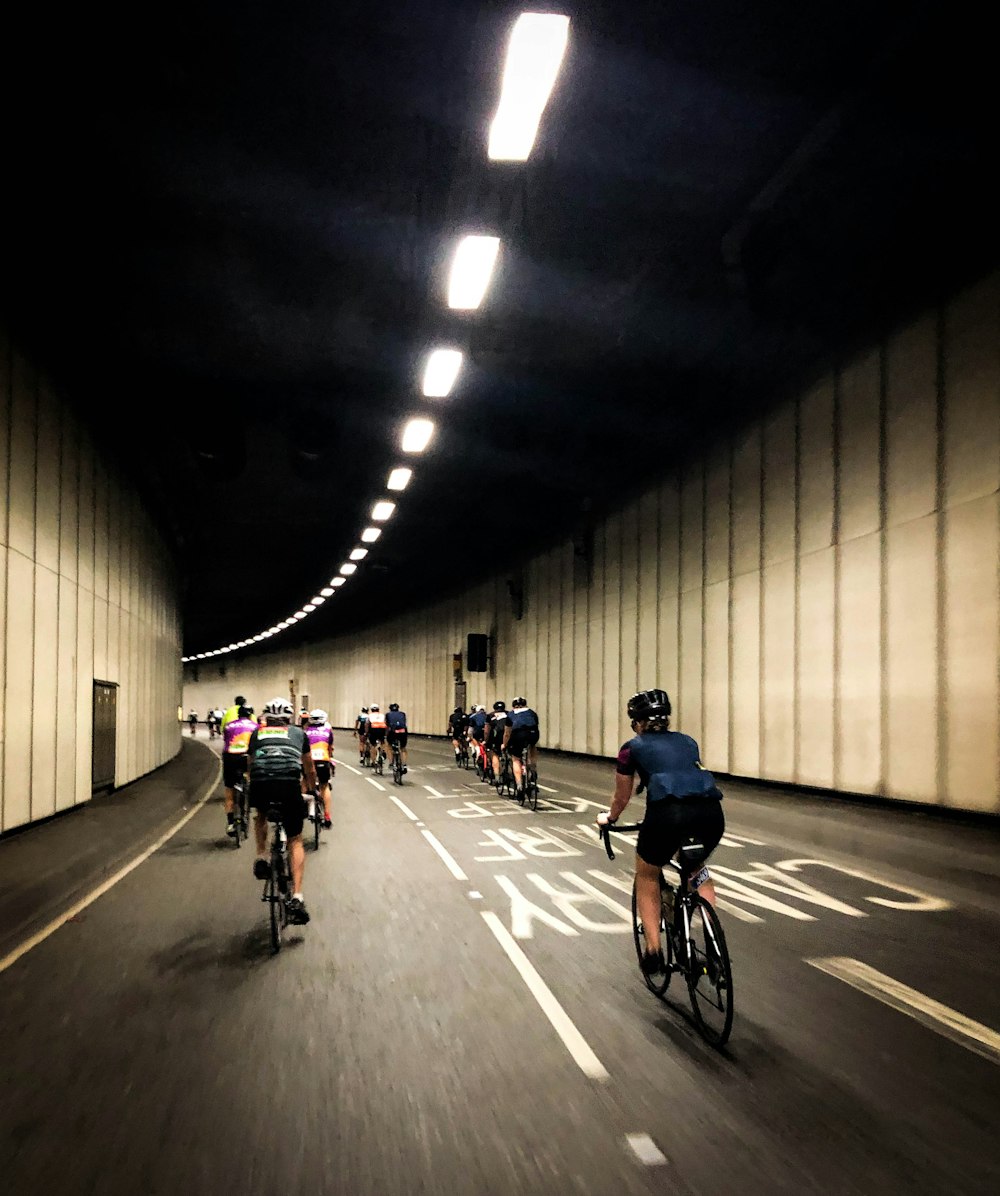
{"points": [[274, 905], [709, 974], [317, 822], [656, 984]]}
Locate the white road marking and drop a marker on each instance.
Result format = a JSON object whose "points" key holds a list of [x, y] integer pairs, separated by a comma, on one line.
{"points": [[420, 824], [646, 1150], [404, 807], [372, 781], [546, 789], [930, 1013], [91, 897], [475, 896], [343, 764], [572, 1039], [433, 792], [446, 856]]}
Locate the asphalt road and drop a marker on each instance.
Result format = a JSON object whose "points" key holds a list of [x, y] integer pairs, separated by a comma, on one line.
{"points": [[399, 1044]]}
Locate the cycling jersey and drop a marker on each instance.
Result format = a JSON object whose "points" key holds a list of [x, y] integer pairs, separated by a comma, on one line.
{"points": [[395, 720], [376, 721], [457, 724], [523, 718], [668, 764], [477, 723], [275, 753], [230, 716], [321, 742], [236, 735]]}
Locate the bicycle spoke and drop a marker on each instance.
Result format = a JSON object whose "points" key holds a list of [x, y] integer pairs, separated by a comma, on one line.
{"points": [[710, 983]]}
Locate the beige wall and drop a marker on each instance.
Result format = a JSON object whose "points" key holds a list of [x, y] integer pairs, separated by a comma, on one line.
{"points": [[820, 597], [86, 591]]}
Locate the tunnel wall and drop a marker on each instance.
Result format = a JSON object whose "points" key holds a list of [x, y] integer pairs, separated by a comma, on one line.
{"points": [[87, 591], [820, 596]]}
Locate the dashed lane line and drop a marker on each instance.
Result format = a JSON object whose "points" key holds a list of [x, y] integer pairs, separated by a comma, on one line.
{"points": [[404, 807], [350, 768], [445, 854], [78, 906], [372, 781], [646, 1150], [930, 1013], [561, 1022]]}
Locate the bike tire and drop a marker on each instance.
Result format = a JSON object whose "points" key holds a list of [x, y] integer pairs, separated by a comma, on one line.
{"points": [[317, 822], [274, 910], [657, 987], [709, 974]]}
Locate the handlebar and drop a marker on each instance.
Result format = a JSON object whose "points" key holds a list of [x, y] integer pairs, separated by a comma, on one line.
{"points": [[614, 826]]}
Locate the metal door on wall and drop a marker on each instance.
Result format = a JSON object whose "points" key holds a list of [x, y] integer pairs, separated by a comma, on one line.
{"points": [[105, 732]]}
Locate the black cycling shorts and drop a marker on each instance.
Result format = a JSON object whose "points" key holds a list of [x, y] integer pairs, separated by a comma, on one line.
{"points": [[234, 766], [398, 737], [287, 796], [376, 734], [521, 738], [323, 773], [672, 822]]}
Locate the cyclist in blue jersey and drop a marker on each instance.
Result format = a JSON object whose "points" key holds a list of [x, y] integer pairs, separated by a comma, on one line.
{"points": [[395, 727], [477, 733], [683, 808], [521, 732]]}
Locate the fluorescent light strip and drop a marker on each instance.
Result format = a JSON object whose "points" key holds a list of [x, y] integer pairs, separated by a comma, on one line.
{"points": [[381, 511], [358, 554], [370, 535], [534, 54], [440, 372], [399, 479], [417, 435], [471, 269]]}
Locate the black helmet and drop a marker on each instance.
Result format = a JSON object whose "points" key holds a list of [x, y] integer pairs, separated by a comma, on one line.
{"points": [[499, 705], [240, 700], [393, 705], [648, 703], [246, 711], [459, 710], [519, 702]]}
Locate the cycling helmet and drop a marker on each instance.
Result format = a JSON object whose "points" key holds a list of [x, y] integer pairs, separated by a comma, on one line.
{"points": [[374, 708], [481, 709], [499, 705], [648, 703], [279, 708], [239, 700], [458, 710], [317, 717], [519, 702], [246, 711], [364, 709], [393, 705]]}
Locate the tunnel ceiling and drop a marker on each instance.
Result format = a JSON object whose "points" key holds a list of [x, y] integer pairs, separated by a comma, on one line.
{"points": [[229, 229]]}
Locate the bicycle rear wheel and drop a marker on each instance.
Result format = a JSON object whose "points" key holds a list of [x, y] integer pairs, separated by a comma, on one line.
{"points": [[397, 768], [709, 974], [317, 821], [655, 985], [274, 904]]}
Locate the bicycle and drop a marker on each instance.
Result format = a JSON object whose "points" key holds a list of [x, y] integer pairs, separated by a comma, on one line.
{"points": [[463, 754], [693, 944], [529, 782], [276, 887], [506, 778], [241, 811], [316, 816], [397, 765], [379, 760]]}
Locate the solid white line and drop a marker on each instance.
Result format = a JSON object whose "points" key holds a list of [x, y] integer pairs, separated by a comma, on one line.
{"points": [[573, 1040], [972, 1035], [476, 896], [343, 764], [645, 1149], [405, 808], [433, 792], [372, 781], [449, 860], [110, 883], [546, 789]]}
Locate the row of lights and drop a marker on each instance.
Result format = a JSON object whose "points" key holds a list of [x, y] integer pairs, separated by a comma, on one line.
{"points": [[534, 53]]}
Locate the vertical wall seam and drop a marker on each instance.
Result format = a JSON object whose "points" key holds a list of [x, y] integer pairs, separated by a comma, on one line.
{"points": [[6, 576], [796, 587], [883, 569], [761, 681], [941, 546], [704, 599], [837, 566], [59, 586], [36, 390]]}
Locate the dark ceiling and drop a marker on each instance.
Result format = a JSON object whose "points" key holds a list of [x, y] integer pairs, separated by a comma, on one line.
{"points": [[229, 225]]}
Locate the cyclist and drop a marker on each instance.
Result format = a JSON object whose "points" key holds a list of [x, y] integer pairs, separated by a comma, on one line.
{"points": [[279, 755], [234, 710], [683, 805], [376, 730], [499, 722], [522, 732], [477, 735], [361, 731], [457, 727], [320, 736], [303, 718], [193, 720], [396, 733], [236, 740]]}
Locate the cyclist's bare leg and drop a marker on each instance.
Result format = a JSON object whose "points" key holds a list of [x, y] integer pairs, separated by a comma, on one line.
{"points": [[230, 801], [647, 900], [260, 833], [297, 859], [325, 794], [705, 889], [496, 764], [518, 778], [533, 758]]}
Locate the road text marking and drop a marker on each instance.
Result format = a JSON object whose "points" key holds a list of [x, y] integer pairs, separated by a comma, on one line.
{"points": [[572, 1039], [930, 1013]]}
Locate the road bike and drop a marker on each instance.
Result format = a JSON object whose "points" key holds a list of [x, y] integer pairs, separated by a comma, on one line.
{"points": [[505, 781], [529, 782], [463, 754], [276, 887], [693, 943], [379, 761], [315, 814], [241, 811], [397, 765]]}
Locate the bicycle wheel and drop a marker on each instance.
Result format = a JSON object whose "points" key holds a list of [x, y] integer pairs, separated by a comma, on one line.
{"points": [[397, 768], [274, 908], [317, 822], [709, 974], [659, 987]]}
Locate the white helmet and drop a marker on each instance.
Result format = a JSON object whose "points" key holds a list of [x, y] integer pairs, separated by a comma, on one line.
{"points": [[279, 708], [317, 718], [373, 709]]}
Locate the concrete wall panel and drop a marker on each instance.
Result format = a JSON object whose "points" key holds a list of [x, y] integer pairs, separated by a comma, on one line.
{"points": [[43, 709], [911, 447], [746, 673], [859, 668], [815, 671], [858, 443], [778, 672]]}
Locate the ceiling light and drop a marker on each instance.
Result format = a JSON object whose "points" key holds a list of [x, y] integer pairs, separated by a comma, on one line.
{"points": [[347, 570], [398, 479], [381, 511], [338, 581], [299, 614], [326, 592], [371, 534], [201, 655], [318, 600], [534, 52], [440, 372], [309, 608], [359, 554], [470, 271], [417, 435]]}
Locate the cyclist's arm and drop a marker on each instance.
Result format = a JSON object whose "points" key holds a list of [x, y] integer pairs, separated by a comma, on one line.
{"points": [[506, 735], [308, 767], [623, 792]]}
